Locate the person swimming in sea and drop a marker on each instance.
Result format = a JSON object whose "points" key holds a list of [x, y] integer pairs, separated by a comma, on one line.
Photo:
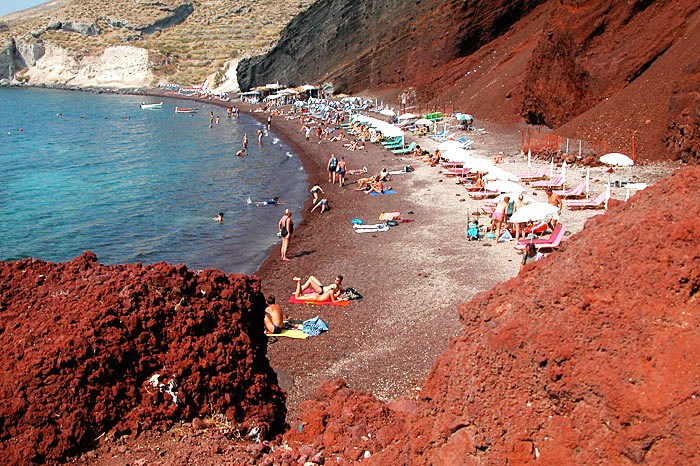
{"points": [[274, 201], [219, 218]]}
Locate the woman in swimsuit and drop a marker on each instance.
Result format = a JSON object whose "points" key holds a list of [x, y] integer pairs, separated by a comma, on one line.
{"points": [[321, 293], [285, 224], [342, 168], [315, 190]]}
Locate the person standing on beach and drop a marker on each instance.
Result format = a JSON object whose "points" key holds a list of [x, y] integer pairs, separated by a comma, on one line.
{"points": [[499, 216], [269, 122], [286, 228], [554, 199], [307, 133], [260, 136], [519, 227], [332, 167]]}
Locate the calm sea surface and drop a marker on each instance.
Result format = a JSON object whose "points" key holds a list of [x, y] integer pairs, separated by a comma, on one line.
{"points": [[95, 172]]}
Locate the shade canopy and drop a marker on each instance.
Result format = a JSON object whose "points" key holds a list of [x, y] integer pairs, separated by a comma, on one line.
{"points": [[387, 112], [498, 173], [615, 158], [387, 129], [505, 186], [423, 122], [534, 212], [450, 144]]}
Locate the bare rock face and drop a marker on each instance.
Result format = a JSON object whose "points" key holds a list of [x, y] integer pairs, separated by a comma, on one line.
{"points": [[587, 357], [90, 349]]}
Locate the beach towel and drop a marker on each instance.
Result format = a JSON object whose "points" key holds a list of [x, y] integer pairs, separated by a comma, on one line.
{"points": [[377, 227], [290, 333], [386, 191], [390, 216], [294, 300], [314, 326]]}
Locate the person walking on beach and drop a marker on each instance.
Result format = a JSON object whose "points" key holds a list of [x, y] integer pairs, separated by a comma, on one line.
{"points": [[286, 228], [342, 168], [332, 167]]}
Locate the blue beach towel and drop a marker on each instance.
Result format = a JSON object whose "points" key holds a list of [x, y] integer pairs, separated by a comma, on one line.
{"points": [[387, 191], [314, 326]]}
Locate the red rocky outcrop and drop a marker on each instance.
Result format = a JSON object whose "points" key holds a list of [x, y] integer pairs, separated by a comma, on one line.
{"points": [[587, 357], [81, 345]]}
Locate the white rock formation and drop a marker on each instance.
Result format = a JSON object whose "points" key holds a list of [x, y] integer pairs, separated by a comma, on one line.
{"points": [[118, 67]]}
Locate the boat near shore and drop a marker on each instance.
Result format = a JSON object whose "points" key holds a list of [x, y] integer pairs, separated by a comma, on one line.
{"points": [[186, 109], [144, 105]]}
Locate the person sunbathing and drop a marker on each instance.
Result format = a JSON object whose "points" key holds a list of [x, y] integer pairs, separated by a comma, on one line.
{"points": [[321, 293], [364, 183], [376, 187]]}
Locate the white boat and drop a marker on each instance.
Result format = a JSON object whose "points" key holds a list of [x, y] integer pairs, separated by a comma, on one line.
{"points": [[186, 109], [145, 105]]}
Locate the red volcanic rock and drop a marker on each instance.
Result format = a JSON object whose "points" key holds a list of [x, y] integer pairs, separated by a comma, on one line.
{"points": [[587, 357], [88, 349]]}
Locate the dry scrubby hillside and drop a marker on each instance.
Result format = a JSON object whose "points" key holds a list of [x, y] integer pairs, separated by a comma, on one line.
{"points": [[189, 39], [602, 71]]}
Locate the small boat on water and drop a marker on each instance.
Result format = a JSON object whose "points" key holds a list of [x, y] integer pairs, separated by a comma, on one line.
{"points": [[186, 109], [145, 105]]}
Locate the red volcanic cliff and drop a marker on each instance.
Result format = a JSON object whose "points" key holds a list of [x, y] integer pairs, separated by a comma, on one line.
{"points": [[604, 71], [587, 357], [81, 345]]}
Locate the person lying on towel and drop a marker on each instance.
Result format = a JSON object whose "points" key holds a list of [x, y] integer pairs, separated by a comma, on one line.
{"points": [[321, 293]]}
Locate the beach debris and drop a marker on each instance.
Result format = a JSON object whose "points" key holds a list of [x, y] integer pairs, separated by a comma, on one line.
{"points": [[169, 387]]}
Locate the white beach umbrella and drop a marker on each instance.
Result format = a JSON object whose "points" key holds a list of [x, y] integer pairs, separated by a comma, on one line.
{"points": [[407, 116], [505, 186], [423, 122], [387, 112], [457, 155], [513, 196], [500, 174], [449, 144], [617, 159], [534, 212], [481, 165]]}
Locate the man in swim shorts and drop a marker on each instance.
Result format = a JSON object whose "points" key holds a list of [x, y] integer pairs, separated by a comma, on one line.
{"points": [[274, 318]]}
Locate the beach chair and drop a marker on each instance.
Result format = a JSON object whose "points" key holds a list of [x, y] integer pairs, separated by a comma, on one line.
{"points": [[545, 243], [540, 174], [557, 182], [392, 141], [597, 203], [576, 192], [407, 150]]}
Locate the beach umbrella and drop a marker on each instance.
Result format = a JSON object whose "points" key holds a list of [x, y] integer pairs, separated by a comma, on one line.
{"points": [[617, 159], [387, 112], [588, 181], [423, 122], [551, 169], [481, 165], [407, 116], [513, 196], [457, 155], [449, 144], [534, 212], [505, 186], [497, 173]]}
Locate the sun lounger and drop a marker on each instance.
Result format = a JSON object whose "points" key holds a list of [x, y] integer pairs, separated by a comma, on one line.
{"points": [[541, 173], [407, 150], [576, 192], [484, 194], [597, 203], [545, 243], [392, 141], [557, 182]]}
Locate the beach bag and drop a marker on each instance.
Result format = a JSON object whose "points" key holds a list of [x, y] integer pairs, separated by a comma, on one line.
{"points": [[351, 293], [505, 236]]}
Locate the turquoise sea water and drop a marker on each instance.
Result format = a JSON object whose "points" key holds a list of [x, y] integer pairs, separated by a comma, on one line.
{"points": [[95, 172]]}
